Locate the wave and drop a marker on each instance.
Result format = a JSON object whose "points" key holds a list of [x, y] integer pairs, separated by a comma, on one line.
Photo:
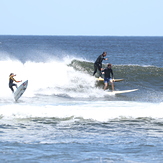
{"points": [[143, 76], [73, 78], [121, 70]]}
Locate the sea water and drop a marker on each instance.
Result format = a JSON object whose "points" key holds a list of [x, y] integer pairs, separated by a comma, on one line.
{"points": [[65, 116]]}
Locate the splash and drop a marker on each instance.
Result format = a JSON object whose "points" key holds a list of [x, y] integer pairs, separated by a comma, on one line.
{"points": [[47, 78]]}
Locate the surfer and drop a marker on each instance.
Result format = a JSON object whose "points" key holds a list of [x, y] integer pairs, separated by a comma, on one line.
{"points": [[98, 63], [11, 80], [108, 72]]}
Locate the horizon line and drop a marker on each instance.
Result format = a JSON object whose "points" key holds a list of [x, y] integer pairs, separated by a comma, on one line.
{"points": [[83, 35]]}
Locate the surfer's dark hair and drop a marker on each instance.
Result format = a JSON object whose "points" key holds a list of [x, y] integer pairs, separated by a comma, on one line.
{"points": [[11, 74]]}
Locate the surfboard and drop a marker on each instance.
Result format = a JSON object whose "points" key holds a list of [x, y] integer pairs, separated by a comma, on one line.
{"points": [[120, 92], [116, 80], [20, 90]]}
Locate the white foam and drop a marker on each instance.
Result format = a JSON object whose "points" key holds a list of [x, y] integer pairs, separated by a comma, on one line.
{"points": [[98, 111], [51, 76]]}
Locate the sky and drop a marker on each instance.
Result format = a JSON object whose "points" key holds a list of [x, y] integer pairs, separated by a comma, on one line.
{"points": [[82, 17]]}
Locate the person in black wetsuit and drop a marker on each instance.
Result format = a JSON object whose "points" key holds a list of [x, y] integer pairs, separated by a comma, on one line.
{"points": [[98, 63], [11, 80], [108, 76]]}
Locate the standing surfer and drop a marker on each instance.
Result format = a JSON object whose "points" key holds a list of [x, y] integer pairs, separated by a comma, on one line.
{"points": [[11, 80], [108, 76], [98, 63]]}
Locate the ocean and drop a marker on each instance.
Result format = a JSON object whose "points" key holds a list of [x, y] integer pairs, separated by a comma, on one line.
{"points": [[66, 116]]}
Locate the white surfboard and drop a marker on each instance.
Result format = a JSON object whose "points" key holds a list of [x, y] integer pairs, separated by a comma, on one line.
{"points": [[116, 80], [20, 90], [120, 92]]}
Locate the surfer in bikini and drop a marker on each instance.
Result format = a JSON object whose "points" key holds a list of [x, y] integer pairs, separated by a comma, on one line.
{"points": [[108, 72], [11, 80], [98, 63]]}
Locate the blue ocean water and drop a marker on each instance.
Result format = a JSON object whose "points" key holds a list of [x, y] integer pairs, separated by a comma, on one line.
{"points": [[65, 116]]}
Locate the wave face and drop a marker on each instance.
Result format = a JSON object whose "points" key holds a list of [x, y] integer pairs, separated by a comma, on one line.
{"points": [[147, 79]]}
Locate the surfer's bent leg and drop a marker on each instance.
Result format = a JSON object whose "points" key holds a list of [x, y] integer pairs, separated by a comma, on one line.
{"points": [[11, 87], [15, 85], [99, 69], [95, 69]]}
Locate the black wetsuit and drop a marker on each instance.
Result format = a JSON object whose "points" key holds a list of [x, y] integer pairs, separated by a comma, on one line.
{"points": [[107, 72], [11, 84], [98, 65]]}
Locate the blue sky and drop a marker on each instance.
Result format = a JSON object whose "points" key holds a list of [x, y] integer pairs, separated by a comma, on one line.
{"points": [[82, 17]]}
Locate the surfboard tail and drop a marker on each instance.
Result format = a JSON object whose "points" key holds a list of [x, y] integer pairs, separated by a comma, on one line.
{"points": [[123, 91]]}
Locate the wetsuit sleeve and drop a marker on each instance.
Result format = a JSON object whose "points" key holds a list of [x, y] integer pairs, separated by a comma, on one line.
{"points": [[103, 70], [100, 59]]}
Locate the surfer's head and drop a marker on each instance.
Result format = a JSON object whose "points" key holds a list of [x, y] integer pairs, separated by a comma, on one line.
{"points": [[109, 65], [104, 54], [12, 74]]}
